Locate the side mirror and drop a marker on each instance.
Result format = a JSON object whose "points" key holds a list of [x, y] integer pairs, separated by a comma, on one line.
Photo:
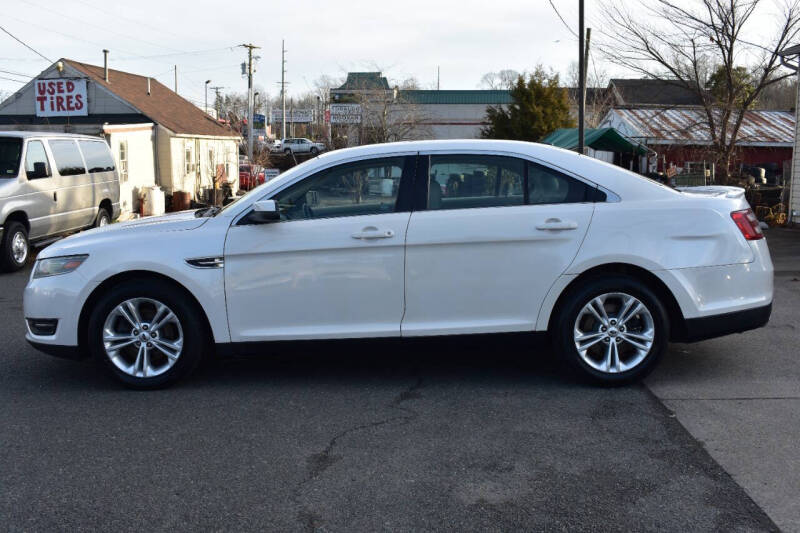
{"points": [[264, 211], [39, 170]]}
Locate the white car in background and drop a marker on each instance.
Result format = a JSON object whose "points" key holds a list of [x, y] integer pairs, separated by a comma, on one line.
{"points": [[413, 239], [300, 146]]}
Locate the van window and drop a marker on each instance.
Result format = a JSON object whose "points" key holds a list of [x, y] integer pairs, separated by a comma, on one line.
{"points": [[36, 154], [10, 152], [97, 155], [67, 157]]}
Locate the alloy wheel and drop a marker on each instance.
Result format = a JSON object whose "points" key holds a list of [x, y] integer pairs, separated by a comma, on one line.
{"points": [[142, 337], [19, 247], [614, 332]]}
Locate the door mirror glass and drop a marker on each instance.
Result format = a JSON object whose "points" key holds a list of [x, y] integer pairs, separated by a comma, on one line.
{"points": [[39, 170]]}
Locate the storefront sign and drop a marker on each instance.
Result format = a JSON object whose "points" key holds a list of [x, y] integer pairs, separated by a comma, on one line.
{"points": [[345, 113], [60, 98], [293, 115]]}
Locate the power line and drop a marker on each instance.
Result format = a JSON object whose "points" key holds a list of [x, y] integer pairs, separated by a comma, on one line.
{"points": [[191, 52], [26, 45], [105, 28], [16, 73], [12, 79], [562, 18]]}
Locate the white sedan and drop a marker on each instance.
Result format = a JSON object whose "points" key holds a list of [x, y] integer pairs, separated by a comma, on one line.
{"points": [[406, 240]]}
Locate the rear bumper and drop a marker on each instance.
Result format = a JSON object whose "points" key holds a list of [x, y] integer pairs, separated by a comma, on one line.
{"points": [[698, 329]]}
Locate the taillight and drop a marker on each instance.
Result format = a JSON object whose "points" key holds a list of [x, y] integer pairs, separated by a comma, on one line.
{"points": [[748, 224]]}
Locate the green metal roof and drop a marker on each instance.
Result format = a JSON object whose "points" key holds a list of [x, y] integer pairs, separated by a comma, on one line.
{"points": [[360, 81], [487, 97], [607, 139]]}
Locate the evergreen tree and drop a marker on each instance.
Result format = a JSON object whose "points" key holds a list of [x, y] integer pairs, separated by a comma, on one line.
{"points": [[538, 107]]}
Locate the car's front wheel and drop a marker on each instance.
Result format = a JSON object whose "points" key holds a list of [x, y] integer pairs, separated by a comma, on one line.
{"points": [[14, 248], [146, 333], [613, 329], [314, 150]]}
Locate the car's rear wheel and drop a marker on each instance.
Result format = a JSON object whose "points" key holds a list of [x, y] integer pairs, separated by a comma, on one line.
{"points": [[146, 333], [613, 330], [15, 248]]}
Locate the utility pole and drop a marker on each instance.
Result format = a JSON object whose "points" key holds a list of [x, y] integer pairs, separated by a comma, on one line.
{"points": [[283, 90], [581, 81], [586, 61], [250, 48], [217, 99], [438, 77], [176, 79], [206, 104]]}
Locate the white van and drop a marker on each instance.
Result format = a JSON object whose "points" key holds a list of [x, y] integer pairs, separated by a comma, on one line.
{"points": [[52, 184]]}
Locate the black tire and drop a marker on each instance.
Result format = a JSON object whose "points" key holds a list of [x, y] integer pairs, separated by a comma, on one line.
{"points": [[196, 337], [8, 260], [288, 151], [102, 215], [314, 150], [566, 326]]}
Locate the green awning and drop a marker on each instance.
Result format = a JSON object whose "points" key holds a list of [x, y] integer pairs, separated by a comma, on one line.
{"points": [[606, 139]]}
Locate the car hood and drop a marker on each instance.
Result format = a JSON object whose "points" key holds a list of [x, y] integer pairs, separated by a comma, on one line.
{"points": [[81, 242]]}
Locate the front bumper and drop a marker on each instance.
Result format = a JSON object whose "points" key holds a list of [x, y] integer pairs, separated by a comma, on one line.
{"points": [[57, 350], [698, 329]]}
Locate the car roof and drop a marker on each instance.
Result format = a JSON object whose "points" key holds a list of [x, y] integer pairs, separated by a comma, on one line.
{"points": [[605, 174], [49, 134]]}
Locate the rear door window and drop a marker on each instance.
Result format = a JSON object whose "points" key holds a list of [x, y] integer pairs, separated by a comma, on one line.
{"points": [[463, 181], [36, 164], [67, 157], [97, 155]]}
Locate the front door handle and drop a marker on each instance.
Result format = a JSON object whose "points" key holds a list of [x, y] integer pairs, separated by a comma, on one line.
{"points": [[371, 232], [556, 224], [55, 198]]}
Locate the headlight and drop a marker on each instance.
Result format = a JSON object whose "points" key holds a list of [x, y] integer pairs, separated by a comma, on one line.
{"points": [[54, 266]]}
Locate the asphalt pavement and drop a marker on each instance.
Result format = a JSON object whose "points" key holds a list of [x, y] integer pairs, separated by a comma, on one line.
{"points": [[740, 395], [483, 433]]}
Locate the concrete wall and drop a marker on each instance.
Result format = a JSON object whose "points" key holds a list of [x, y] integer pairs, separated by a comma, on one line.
{"points": [[453, 121]]}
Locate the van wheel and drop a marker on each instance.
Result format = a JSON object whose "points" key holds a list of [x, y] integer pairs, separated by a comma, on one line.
{"points": [[15, 247], [146, 333], [613, 330], [103, 218]]}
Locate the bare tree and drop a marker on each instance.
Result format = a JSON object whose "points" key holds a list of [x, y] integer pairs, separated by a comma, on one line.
{"points": [[704, 46], [598, 98], [502, 79]]}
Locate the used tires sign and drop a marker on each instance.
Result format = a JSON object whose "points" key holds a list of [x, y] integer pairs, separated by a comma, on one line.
{"points": [[60, 98]]}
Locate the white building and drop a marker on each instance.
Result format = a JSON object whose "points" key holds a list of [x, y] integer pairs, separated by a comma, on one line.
{"points": [[157, 137]]}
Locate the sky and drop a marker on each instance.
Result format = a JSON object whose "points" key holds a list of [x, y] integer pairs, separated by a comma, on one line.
{"points": [[463, 38]]}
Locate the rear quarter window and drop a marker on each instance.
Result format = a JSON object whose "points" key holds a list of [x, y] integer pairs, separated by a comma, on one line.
{"points": [[97, 155], [10, 153], [67, 157]]}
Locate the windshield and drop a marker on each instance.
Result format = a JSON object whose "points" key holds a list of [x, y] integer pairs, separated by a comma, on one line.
{"points": [[260, 189], [10, 153]]}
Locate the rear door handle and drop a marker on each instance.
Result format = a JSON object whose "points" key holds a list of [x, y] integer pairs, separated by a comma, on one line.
{"points": [[556, 224], [371, 232]]}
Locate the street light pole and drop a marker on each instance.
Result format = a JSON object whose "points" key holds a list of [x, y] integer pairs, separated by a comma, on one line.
{"points": [[206, 106]]}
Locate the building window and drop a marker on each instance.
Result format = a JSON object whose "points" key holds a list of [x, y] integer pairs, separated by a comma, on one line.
{"points": [[189, 160], [123, 161]]}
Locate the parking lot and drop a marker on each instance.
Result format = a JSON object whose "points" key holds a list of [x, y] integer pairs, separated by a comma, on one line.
{"points": [[466, 434]]}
